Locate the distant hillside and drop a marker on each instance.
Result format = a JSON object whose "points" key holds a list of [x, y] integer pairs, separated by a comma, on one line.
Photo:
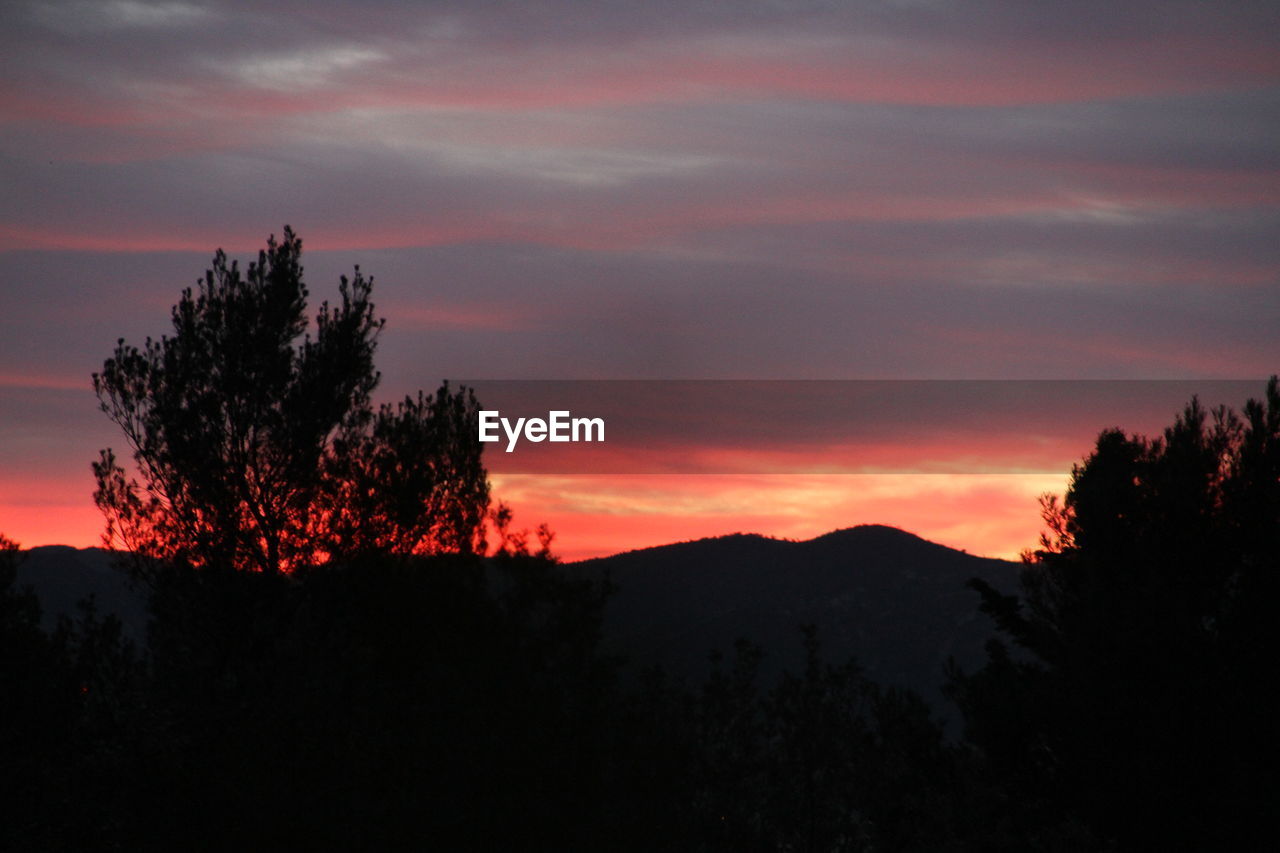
{"points": [[61, 576], [895, 601]]}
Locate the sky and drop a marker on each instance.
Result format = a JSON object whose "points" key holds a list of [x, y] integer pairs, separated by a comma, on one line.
{"points": [[904, 190]]}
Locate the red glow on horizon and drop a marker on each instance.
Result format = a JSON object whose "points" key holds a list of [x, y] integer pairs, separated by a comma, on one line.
{"points": [[598, 515], [79, 525]]}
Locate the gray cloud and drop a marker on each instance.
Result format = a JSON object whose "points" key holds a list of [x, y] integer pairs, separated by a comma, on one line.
{"points": [[764, 189]]}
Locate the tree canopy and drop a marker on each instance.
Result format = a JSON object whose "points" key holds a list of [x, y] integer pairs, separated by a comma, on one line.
{"points": [[1144, 697], [254, 440]]}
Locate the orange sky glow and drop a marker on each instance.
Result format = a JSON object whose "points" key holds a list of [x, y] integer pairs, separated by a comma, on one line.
{"points": [[592, 516], [664, 191]]}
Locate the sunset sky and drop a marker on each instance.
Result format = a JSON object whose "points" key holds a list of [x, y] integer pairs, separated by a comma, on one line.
{"points": [[665, 191]]}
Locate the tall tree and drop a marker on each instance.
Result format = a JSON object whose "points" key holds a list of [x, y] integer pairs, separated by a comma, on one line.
{"points": [[255, 442], [1147, 703]]}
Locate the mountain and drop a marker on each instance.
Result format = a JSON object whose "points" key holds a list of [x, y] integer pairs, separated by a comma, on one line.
{"points": [[895, 601], [62, 576]]}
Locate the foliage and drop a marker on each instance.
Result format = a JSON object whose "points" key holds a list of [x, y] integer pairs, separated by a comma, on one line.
{"points": [[823, 759], [260, 451], [382, 703], [34, 696], [463, 702], [1144, 701], [64, 696]]}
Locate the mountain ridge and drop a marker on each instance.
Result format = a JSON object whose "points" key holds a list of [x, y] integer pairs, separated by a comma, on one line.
{"points": [[893, 600]]}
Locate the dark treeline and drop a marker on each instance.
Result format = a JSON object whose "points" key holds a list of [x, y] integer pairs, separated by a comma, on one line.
{"points": [[338, 657], [451, 701], [462, 701], [1145, 701]]}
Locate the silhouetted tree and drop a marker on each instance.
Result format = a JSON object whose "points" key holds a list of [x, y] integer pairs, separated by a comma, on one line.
{"points": [[257, 450], [1147, 706], [823, 760], [63, 697], [37, 709], [378, 703]]}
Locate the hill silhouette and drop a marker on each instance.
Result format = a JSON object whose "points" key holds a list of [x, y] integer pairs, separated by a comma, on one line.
{"points": [[62, 576], [892, 599], [895, 601]]}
